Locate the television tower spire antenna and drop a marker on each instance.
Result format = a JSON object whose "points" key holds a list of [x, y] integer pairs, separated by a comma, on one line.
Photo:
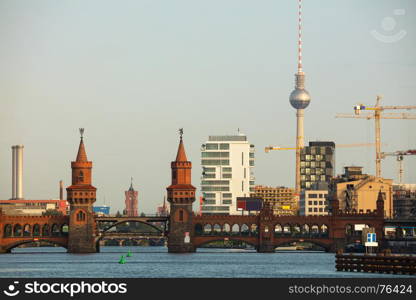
{"points": [[300, 36]]}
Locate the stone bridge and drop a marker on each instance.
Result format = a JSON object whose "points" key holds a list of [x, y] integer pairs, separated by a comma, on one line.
{"points": [[18, 230]]}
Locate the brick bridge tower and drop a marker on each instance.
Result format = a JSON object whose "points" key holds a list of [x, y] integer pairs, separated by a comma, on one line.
{"points": [[181, 195], [81, 195]]}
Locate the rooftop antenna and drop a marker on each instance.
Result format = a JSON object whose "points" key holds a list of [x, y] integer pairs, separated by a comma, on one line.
{"points": [[181, 132], [81, 132]]}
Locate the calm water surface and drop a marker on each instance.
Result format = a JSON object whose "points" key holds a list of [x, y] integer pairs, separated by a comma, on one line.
{"points": [[157, 262]]}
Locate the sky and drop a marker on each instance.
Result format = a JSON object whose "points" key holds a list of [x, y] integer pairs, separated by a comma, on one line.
{"points": [[132, 72]]}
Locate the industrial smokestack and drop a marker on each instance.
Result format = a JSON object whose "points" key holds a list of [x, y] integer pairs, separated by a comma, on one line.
{"points": [[17, 172], [13, 172], [61, 190]]}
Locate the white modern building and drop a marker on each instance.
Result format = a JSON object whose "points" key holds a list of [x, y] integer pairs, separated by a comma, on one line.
{"points": [[227, 173], [313, 203]]}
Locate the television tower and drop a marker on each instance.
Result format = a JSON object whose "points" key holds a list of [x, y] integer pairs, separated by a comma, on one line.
{"points": [[299, 99]]}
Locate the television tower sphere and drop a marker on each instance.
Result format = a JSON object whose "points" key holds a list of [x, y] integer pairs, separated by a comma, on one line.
{"points": [[300, 98]]}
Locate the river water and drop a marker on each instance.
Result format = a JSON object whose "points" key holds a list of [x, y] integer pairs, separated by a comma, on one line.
{"points": [[156, 262]]}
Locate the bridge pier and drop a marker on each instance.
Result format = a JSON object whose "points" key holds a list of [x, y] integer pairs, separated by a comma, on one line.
{"points": [[3, 250], [265, 248], [338, 244]]}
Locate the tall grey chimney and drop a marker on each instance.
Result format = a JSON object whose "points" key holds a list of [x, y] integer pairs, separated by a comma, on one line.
{"points": [[61, 190], [17, 172], [13, 172]]}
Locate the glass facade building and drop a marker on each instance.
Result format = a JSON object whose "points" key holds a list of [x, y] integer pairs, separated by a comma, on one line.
{"points": [[317, 164]]}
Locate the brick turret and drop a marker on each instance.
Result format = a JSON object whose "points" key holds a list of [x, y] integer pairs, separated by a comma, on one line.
{"points": [[181, 195], [81, 196]]}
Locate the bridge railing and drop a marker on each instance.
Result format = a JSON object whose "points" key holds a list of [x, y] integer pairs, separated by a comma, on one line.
{"points": [[302, 234], [229, 233], [132, 234], [139, 216]]}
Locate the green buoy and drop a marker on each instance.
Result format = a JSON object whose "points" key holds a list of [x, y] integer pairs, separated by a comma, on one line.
{"points": [[122, 260], [129, 254]]}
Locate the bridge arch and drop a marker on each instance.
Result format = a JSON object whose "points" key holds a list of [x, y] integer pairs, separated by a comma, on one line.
{"points": [[199, 230], [17, 230], [226, 228], [245, 230], [305, 230], [207, 228], [36, 230], [254, 230], [27, 231], [16, 244], [205, 241], [131, 221], [46, 230], [216, 229], [235, 229], [8, 230], [326, 246]]}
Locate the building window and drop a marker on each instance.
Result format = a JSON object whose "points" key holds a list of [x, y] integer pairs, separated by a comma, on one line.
{"points": [[81, 176], [226, 175], [215, 154], [245, 172], [227, 169], [242, 185], [213, 162], [224, 146], [310, 209], [181, 216], [215, 188], [215, 182], [211, 146], [209, 201], [242, 158], [80, 216]]}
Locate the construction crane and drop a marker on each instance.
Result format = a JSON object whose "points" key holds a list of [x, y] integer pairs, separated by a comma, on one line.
{"points": [[399, 156], [377, 115], [269, 148]]}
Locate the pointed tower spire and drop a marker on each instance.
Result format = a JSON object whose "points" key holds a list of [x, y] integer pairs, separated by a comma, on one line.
{"points": [[82, 155], [181, 156], [131, 184]]}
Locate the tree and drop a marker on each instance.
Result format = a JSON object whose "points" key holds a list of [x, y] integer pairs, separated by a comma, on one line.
{"points": [[118, 214]]}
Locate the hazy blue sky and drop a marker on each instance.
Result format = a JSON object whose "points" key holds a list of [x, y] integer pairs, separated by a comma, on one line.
{"points": [[133, 72]]}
